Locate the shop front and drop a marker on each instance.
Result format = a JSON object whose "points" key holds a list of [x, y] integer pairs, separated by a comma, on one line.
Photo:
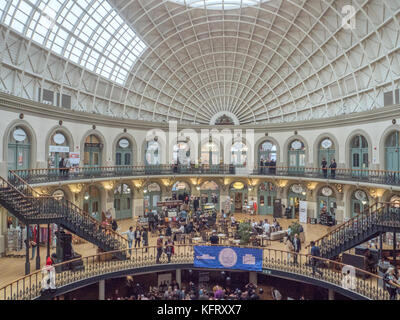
{"points": [[209, 194], [180, 191], [326, 201], [123, 202], [151, 195], [238, 193], [267, 193], [91, 202], [359, 202], [297, 193]]}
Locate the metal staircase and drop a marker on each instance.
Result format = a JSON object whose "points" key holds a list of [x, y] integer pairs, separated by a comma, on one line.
{"points": [[33, 208], [377, 219]]}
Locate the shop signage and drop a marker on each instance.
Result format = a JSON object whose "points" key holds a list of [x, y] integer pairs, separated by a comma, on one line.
{"points": [[58, 149], [19, 135], [326, 144], [296, 145], [326, 191], [59, 138], [124, 143], [238, 185], [303, 212], [93, 145], [297, 188], [74, 158], [360, 195]]}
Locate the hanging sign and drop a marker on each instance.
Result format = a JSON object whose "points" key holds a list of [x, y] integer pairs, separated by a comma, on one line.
{"points": [[74, 158], [58, 149], [19, 135], [59, 138], [360, 195], [296, 145], [326, 144], [124, 143], [303, 211], [326, 191]]}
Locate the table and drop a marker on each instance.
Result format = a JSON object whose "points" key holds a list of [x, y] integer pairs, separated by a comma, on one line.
{"points": [[221, 236], [236, 241]]}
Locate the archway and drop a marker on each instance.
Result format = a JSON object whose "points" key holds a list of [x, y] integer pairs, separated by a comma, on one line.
{"points": [[123, 202], [151, 195], [359, 155], [267, 155], [326, 151], [267, 193], [239, 154], [209, 194], [59, 148], [238, 192], [296, 156], [19, 149], [392, 151], [326, 205], [124, 152], [180, 190], [297, 192], [93, 150], [359, 202], [92, 202]]}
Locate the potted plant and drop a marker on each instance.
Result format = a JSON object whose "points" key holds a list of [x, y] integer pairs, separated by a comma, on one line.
{"points": [[244, 233]]}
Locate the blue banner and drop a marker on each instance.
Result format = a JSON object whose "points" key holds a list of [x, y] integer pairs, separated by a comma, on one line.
{"points": [[213, 257]]}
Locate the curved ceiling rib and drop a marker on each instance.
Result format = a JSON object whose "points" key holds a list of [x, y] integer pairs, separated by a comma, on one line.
{"points": [[265, 61]]}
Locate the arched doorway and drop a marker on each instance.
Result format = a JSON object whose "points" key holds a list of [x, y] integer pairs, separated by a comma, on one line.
{"points": [[238, 193], [58, 148], [123, 153], [209, 193], [19, 149], [359, 155], [267, 193], [296, 156], [180, 190], [267, 152], [326, 151], [152, 195], [392, 151], [92, 203], [359, 202], [239, 154], [297, 193], [123, 202], [326, 201], [92, 151]]}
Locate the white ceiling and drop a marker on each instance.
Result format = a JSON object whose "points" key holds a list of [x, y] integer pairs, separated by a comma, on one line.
{"points": [[274, 61]]}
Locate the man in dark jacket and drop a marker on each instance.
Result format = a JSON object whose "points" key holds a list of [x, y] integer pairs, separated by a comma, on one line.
{"points": [[333, 167], [315, 252], [297, 247], [324, 166]]}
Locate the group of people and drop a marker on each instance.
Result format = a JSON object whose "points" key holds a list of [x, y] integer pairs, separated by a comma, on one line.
{"points": [[332, 167], [137, 235], [267, 166]]}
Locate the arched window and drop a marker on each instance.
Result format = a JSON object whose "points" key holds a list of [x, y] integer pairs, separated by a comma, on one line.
{"points": [[93, 151], [296, 193], [122, 202], [209, 153], [181, 153], [359, 155], [359, 202], [209, 194], [297, 156], [326, 205], [180, 190], [326, 151], [19, 149], [238, 192], [239, 154], [152, 195], [123, 154], [152, 153], [58, 149], [267, 151], [392, 151]]}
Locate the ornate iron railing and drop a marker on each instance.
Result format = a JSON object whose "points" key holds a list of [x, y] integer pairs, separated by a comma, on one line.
{"points": [[379, 217], [360, 282], [36, 176], [32, 207]]}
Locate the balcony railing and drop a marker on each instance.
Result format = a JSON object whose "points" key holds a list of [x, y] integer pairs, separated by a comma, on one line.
{"points": [[38, 176], [360, 283]]}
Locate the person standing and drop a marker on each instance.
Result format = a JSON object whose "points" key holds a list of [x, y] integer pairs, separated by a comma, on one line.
{"points": [[169, 248], [297, 247], [138, 236], [324, 166], [145, 238], [289, 249], [114, 225], [333, 167], [159, 248], [315, 252], [391, 283], [131, 236], [61, 166]]}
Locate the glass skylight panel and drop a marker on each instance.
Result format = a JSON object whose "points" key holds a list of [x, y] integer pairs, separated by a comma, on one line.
{"points": [[219, 4], [89, 33]]}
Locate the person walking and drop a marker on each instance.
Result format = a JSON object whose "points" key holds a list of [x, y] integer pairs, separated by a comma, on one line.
{"points": [[333, 167], [315, 252], [324, 166], [131, 235], [296, 247], [391, 283], [289, 249], [138, 236]]}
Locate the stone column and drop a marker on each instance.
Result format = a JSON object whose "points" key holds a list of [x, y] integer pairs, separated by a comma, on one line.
{"points": [[253, 277], [178, 277], [102, 289]]}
